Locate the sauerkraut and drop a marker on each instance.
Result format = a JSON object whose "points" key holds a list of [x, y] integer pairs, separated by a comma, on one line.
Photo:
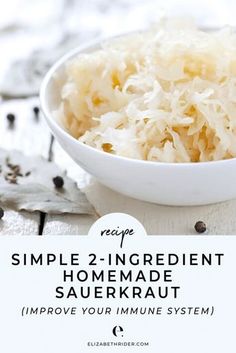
{"points": [[168, 94]]}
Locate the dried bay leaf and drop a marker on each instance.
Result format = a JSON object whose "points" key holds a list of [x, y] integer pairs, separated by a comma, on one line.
{"points": [[34, 197], [26, 184]]}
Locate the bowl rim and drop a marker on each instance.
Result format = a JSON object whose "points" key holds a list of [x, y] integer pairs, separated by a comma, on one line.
{"points": [[95, 44]]}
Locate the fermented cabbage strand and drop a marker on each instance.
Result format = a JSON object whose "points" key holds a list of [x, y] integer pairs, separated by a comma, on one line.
{"points": [[168, 95]]}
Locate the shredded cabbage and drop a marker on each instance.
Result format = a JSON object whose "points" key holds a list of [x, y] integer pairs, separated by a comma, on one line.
{"points": [[168, 94]]}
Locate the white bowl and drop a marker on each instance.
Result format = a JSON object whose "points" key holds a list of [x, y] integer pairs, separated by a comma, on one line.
{"points": [[183, 184]]}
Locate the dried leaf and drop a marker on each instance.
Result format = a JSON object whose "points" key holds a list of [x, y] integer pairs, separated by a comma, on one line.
{"points": [[26, 184]]}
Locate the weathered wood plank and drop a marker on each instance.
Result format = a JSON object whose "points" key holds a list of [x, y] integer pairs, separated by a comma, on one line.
{"points": [[19, 223], [68, 225], [157, 219], [30, 136]]}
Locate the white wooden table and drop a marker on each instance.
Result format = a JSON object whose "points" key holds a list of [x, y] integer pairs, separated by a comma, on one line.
{"points": [[34, 138]]}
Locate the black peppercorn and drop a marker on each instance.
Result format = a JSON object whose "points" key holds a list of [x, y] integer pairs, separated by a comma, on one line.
{"points": [[200, 227], [58, 182], [1, 212], [36, 110], [11, 118]]}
